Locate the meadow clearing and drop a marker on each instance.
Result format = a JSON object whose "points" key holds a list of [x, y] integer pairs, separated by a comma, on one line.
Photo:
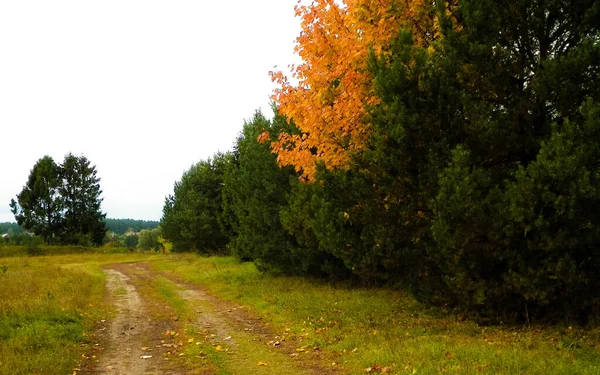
{"points": [[184, 314]]}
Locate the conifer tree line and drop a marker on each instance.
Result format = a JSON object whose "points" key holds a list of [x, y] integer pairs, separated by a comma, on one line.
{"points": [[61, 202], [448, 147]]}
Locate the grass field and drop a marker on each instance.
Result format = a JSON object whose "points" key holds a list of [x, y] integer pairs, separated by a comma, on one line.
{"points": [[370, 330], [49, 305]]}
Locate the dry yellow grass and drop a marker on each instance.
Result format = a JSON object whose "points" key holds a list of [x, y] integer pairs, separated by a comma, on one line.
{"points": [[48, 307]]}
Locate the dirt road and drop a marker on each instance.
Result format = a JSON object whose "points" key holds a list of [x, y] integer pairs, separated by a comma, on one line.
{"points": [[162, 325]]}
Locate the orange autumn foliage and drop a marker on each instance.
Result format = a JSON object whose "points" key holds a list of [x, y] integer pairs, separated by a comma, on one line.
{"points": [[333, 86]]}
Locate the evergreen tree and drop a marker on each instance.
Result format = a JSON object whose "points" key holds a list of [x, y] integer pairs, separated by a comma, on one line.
{"points": [[191, 216], [255, 188], [62, 202], [461, 192], [256, 191], [503, 238], [80, 191], [38, 207], [470, 130]]}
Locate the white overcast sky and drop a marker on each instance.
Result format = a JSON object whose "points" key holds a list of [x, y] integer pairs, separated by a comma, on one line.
{"points": [[142, 88]]}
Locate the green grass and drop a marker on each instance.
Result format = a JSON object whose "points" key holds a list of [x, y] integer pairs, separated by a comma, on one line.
{"points": [[365, 328], [48, 306], [214, 352], [43, 316], [200, 354]]}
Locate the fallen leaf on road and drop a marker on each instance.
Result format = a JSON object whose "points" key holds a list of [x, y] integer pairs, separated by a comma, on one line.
{"points": [[378, 368]]}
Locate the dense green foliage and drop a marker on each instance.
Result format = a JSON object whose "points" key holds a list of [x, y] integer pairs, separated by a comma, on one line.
{"points": [[257, 195], [38, 206], [130, 240], [83, 221], [121, 226], [148, 239], [514, 211], [61, 203], [251, 179], [480, 185], [191, 216], [144, 240]]}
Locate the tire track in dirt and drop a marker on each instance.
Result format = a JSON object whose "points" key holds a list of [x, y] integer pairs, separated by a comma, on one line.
{"points": [[225, 319], [130, 343], [129, 329], [140, 322]]}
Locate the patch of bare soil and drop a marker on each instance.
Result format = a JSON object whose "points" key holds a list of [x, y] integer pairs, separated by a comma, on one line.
{"points": [[128, 331], [130, 343]]}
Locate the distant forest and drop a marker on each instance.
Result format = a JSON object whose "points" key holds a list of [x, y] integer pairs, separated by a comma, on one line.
{"points": [[118, 226], [16, 229]]}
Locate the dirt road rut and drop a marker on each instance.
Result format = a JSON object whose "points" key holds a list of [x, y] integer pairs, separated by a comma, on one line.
{"points": [[141, 335]]}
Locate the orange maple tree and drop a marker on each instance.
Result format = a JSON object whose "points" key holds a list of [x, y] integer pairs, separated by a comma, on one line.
{"points": [[328, 93]]}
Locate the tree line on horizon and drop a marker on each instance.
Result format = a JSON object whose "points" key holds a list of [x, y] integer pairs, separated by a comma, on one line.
{"points": [[122, 226], [116, 226], [451, 148], [10, 227]]}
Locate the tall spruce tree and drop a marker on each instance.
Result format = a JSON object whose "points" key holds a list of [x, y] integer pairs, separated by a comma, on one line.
{"points": [[39, 205], [80, 191]]}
